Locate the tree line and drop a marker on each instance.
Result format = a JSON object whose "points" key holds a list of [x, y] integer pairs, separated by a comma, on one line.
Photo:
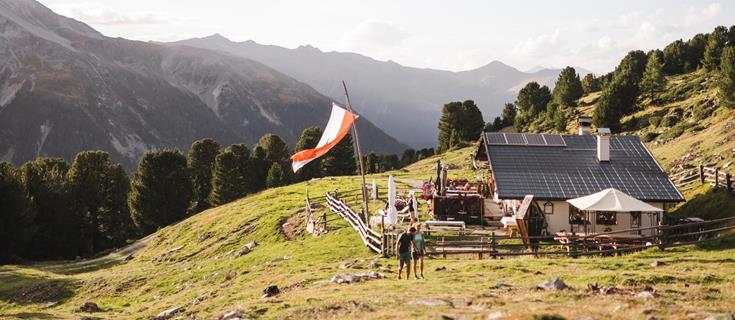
{"points": [[638, 76], [50, 209]]}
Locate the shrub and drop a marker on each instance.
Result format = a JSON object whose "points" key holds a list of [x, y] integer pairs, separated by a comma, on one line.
{"points": [[670, 120], [654, 120], [649, 136], [673, 132]]}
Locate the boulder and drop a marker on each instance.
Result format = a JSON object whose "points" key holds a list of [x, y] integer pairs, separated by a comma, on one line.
{"points": [[553, 285], [90, 306], [232, 315], [347, 264], [168, 314], [251, 245], [344, 278], [243, 251]]}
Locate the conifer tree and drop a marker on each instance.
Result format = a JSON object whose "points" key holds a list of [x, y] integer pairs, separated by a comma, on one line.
{"points": [[276, 177], [371, 163], [716, 41], [726, 81], [308, 140], [653, 81], [608, 111], [568, 88], [340, 160], [56, 221], [408, 157], [201, 164], [260, 166], [471, 121], [533, 98], [92, 187], [232, 177], [454, 139], [450, 119], [161, 190], [507, 115], [15, 218], [275, 148], [590, 84]]}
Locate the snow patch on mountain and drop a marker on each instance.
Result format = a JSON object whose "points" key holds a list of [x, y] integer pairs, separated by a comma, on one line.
{"points": [[45, 130], [130, 147]]}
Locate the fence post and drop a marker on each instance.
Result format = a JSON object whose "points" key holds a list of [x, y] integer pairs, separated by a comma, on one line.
{"points": [[444, 249], [701, 173], [493, 244], [662, 237], [717, 177], [573, 245], [728, 181], [383, 239], [479, 255]]}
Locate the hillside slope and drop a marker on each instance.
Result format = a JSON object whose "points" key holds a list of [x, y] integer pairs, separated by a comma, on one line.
{"points": [[64, 88], [405, 102], [195, 264]]}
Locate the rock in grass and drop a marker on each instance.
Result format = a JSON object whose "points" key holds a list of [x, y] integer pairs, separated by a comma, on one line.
{"points": [[347, 264], [247, 248], [168, 314], [657, 263], [232, 315], [90, 306], [270, 291], [497, 314], [429, 302], [553, 285]]}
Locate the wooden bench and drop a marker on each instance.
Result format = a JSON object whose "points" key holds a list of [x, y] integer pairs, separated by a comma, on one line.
{"points": [[444, 226]]}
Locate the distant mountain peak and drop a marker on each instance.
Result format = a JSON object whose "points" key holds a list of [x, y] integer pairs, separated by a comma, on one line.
{"points": [[217, 37]]}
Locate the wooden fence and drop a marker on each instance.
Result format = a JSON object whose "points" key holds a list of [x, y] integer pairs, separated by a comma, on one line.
{"points": [[608, 243], [371, 238], [315, 224], [691, 178]]}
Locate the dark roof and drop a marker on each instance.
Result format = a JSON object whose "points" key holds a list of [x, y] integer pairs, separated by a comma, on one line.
{"points": [[571, 170]]}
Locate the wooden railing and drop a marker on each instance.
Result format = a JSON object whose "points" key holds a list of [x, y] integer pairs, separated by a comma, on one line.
{"points": [[579, 245], [693, 177], [371, 238], [316, 225]]}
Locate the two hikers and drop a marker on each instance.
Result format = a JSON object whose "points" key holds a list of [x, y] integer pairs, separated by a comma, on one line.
{"points": [[411, 245]]}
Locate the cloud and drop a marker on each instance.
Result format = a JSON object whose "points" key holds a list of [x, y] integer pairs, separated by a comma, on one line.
{"points": [[695, 16], [373, 34], [99, 15], [540, 45]]}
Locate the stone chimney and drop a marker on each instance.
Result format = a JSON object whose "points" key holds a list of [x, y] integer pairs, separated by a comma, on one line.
{"points": [[603, 144], [585, 125]]}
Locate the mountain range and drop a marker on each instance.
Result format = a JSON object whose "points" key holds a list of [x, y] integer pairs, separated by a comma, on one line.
{"points": [[65, 87], [405, 102]]}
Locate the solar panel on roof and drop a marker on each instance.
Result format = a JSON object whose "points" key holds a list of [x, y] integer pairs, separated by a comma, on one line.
{"points": [[495, 138], [534, 139], [515, 139], [554, 140]]}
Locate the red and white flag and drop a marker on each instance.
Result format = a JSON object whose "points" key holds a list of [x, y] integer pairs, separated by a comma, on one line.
{"points": [[337, 128]]}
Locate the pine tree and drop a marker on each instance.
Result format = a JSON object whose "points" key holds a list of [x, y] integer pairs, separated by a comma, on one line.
{"points": [[694, 53], [627, 77], [568, 88], [590, 84], [260, 166], [161, 190], [232, 177], [308, 140], [454, 139], [608, 111], [408, 157], [716, 41], [654, 81], [92, 187], [276, 176], [371, 163], [450, 119], [201, 164], [275, 148], [726, 81], [507, 115], [471, 121], [115, 222], [533, 98], [340, 160], [675, 57], [56, 221], [15, 218]]}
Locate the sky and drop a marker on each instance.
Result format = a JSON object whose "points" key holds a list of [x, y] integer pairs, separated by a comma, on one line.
{"points": [[451, 35]]}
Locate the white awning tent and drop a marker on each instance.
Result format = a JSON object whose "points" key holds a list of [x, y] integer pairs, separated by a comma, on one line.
{"points": [[612, 200]]}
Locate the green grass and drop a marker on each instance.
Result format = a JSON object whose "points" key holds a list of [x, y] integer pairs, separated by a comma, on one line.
{"points": [[207, 277]]}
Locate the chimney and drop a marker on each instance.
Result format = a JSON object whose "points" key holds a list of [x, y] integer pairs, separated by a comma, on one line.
{"points": [[585, 125], [603, 144]]}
